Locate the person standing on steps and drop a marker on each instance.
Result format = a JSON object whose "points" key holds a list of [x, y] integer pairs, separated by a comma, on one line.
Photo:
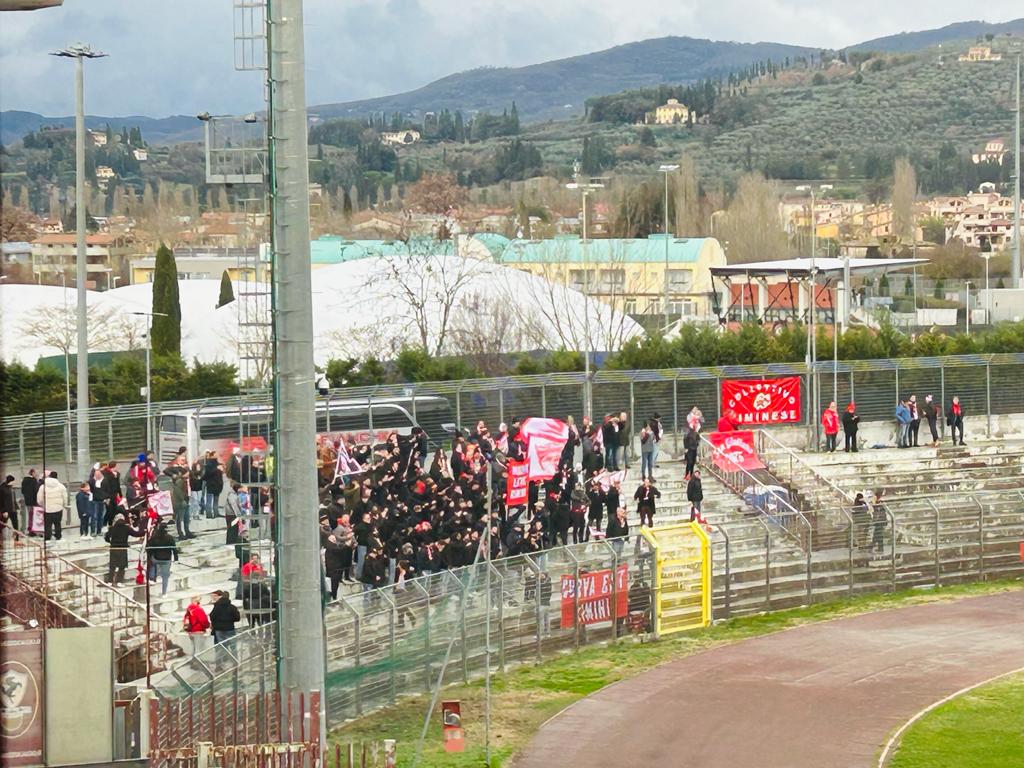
{"points": [[830, 425], [691, 442], [160, 550], [955, 419], [931, 412], [915, 422], [9, 506], [223, 617], [195, 623], [695, 495], [850, 423], [878, 521], [902, 424], [645, 497], [55, 501], [117, 536]]}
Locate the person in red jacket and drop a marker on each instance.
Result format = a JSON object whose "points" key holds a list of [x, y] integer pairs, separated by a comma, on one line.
{"points": [[727, 423], [830, 423], [195, 624]]}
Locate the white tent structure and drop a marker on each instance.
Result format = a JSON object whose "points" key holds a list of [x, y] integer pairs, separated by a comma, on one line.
{"points": [[373, 306]]}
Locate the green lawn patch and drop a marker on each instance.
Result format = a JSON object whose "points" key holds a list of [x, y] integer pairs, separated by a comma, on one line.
{"points": [[530, 694], [981, 729]]}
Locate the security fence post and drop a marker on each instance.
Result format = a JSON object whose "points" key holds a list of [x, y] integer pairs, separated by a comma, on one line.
{"points": [[501, 617], [942, 402], [615, 589], [532, 566], [853, 399], [981, 537], [501, 405], [575, 598], [544, 401], [412, 392], [892, 545], [21, 450], [718, 397], [851, 546], [938, 572], [675, 413], [631, 427], [463, 599], [392, 619], [427, 677], [728, 573], [988, 398], [458, 406], [897, 399], [110, 438]]}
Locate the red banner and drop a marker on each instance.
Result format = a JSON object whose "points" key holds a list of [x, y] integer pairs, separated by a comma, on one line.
{"points": [[595, 597], [734, 451], [518, 491], [762, 401], [21, 675]]}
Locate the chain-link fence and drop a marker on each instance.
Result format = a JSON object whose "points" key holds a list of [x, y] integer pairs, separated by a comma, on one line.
{"points": [[989, 385]]}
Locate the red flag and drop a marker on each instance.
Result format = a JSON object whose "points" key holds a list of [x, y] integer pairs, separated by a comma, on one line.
{"points": [[735, 450], [518, 491], [544, 439]]}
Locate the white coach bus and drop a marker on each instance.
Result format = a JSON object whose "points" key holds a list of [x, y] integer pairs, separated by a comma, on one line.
{"points": [[221, 428]]}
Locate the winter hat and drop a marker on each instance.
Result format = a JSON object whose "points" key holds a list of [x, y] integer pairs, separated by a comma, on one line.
{"points": [[142, 458]]}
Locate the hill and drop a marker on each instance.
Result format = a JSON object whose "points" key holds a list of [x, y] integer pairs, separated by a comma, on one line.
{"points": [[907, 42], [162, 130], [558, 89]]}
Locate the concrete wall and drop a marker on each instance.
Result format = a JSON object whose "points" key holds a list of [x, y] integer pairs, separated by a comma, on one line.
{"points": [[79, 672]]}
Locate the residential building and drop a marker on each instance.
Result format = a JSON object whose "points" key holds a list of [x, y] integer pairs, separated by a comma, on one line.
{"points": [[50, 226], [629, 274], [994, 152], [671, 113], [400, 138], [141, 154], [98, 138], [54, 254], [208, 263], [980, 53], [104, 173]]}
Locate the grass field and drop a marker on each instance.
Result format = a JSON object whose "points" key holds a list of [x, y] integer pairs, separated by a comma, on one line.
{"points": [[528, 695], [981, 729]]}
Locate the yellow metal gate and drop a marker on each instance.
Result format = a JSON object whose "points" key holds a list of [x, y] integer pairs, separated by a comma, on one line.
{"points": [[682, 577]]}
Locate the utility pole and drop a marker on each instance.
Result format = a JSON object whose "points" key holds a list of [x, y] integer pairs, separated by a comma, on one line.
{"points": [[667, 169], [300, 627], [79, 52], [1015, 283], [585, 188]]}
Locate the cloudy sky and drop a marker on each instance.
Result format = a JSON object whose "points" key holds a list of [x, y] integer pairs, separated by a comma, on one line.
{"points": [[176, 57]]}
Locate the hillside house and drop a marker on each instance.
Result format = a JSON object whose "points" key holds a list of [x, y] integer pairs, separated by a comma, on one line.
{"points": [[994, 152], [98, 138], [671, 113], [980, 53], [400, 138]]}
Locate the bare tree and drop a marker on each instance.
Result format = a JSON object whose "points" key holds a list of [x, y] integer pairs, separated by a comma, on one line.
{"points": [[752, 224], [428, 286], [904, 190], [56, 326], [689, 220]]}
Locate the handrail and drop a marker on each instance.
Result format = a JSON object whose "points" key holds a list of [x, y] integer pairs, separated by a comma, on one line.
{"points": [[763, 436], [47, 556], [790, 509]]}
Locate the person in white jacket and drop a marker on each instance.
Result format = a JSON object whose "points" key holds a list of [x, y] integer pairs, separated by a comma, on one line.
{"points": [[54, 497]]}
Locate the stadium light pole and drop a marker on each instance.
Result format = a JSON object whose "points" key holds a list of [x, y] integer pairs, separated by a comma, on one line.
{"points": [[967, 305], [988, 296], [666, 169], [149, 384], [585, 188], [80, 52], [1015, 283]]}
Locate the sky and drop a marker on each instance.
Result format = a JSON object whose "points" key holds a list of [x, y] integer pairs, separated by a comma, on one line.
{"points": [[177, 57]]}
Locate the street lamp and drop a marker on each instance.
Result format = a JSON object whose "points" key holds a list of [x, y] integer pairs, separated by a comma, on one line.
{"points": [[585, 188], [149, 384], [79, 52], [666, 169]]}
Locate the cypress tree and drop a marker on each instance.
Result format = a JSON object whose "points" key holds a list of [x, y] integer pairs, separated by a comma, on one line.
{"points": [[227, 293], [167, 324]]}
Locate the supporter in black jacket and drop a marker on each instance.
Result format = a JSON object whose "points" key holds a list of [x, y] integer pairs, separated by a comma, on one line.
{"points": [[30, 490], [223, 617]]}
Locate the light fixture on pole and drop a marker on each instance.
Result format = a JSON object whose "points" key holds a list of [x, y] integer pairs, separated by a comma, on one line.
{"points": [[79, 52], [585, 188], [666, 169], [149, 383]]}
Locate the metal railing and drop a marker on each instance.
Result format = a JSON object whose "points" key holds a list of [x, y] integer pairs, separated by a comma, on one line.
{"points": [[119, 432]]}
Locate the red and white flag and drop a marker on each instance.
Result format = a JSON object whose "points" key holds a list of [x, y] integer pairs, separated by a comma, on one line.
{"points": [[544, 440]]}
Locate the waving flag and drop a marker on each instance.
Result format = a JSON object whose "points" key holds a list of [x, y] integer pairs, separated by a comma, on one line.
{"points": [[544, 440]]}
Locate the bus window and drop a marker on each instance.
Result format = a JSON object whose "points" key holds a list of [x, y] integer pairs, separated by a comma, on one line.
{"points": [[175, 424]]}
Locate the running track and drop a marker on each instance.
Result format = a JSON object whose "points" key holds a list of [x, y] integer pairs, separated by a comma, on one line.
{"points": [[824, 695]]}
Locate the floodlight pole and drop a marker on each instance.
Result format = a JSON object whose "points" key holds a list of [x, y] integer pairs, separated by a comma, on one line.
{"points": [[585, 188], [79, 53], [1016, 187], [300, 626]]}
